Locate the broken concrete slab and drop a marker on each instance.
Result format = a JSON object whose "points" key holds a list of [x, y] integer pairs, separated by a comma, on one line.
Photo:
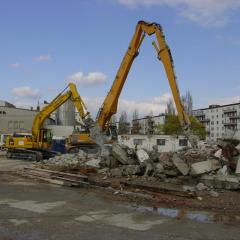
{"points": [[218, 154], [119, 153], [223, 171], [131, 170], [158, 168], [238, 166], [200, 187], [214, 193], [204, 167], [171, 173], [116, 172], [126, 170], [180, 165], [149, 169], [93, 162], [238, 147], [142, 155], [221, 182], [165, 156]]}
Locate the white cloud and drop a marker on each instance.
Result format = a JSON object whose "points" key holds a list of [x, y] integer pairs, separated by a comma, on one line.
{"points": [[223, 101], [15, 65], [26, 92], [204, 12], [157, 105], [43, 58], [91, 78]]}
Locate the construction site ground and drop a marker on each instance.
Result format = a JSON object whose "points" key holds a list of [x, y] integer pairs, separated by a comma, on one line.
{"points": [[32, 209]]}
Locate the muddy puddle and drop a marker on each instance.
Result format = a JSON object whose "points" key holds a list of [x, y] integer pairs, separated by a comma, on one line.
{"points": [[198, 216]]}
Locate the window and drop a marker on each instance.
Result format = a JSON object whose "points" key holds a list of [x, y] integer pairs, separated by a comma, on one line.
{"points": [[137, 141], [183, 142], [161, 142], [217, 122], [212, 122]]}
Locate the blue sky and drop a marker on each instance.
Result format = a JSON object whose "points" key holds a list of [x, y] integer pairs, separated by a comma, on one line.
{"points": [[46, 43]]}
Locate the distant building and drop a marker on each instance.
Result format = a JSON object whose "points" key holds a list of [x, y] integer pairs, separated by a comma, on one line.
{"points": [[220, 121], [164, 143], [150, 124], [18, 120]]}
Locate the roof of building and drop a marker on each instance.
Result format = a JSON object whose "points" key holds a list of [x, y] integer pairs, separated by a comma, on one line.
{"points": [[31, 110], [217, 106], [146, 117]]}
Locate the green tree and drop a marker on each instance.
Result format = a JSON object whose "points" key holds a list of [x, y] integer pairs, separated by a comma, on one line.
{"points": [[172, 126], [198, 128]]}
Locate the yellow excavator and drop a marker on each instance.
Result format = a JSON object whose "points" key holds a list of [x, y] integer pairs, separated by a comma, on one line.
{"points": [[37, 146], [110, 104]]}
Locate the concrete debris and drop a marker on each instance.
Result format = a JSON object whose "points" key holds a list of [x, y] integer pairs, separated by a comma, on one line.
{"points": [[238, 166], [94, 162], [180, 165], [218, 154], [149, 169], [204, 167], [221, 182], [201, 187], [126, 170], [142, 155], [223, 171], [213, 193], [119, 153]]}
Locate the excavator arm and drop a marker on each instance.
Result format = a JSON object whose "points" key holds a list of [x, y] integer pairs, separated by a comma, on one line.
{"points": [[110, 103], [60, 99]]}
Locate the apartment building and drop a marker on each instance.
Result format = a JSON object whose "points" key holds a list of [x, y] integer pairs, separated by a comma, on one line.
{"points": [[220, 121]]}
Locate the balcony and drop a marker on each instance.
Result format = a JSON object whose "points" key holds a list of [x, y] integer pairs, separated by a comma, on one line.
{"points": [[235, 117], [232, 110], [199, 114], [230, 123], [204, 120]]}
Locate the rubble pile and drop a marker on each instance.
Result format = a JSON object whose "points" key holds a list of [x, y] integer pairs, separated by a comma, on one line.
{"points": [[71, 161], [206, 167]]}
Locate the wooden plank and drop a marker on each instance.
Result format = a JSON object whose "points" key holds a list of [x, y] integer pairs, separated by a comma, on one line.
{"points": [[57, 172]]}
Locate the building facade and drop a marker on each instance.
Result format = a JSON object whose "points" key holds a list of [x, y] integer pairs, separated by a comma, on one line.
{"points": [[16, 120], [164, 143], [149, 124], [220, 121]]}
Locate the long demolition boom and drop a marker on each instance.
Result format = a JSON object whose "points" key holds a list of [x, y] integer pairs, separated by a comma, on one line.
{"points": [[110, 103]]}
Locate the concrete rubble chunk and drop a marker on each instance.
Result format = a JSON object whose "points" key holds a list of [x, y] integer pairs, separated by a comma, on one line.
{"points": [[126, 170], [238, 147], [142, 155], [221, 182], [204, 167], [180, 165], [149, 169], [117, 172], [158, 168], [171, 173], [93, 162], [214, 193], [238, 166], [165, 156], [201, 187], [223, 171], [131, 170], [119, 153], [218, 153]]}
